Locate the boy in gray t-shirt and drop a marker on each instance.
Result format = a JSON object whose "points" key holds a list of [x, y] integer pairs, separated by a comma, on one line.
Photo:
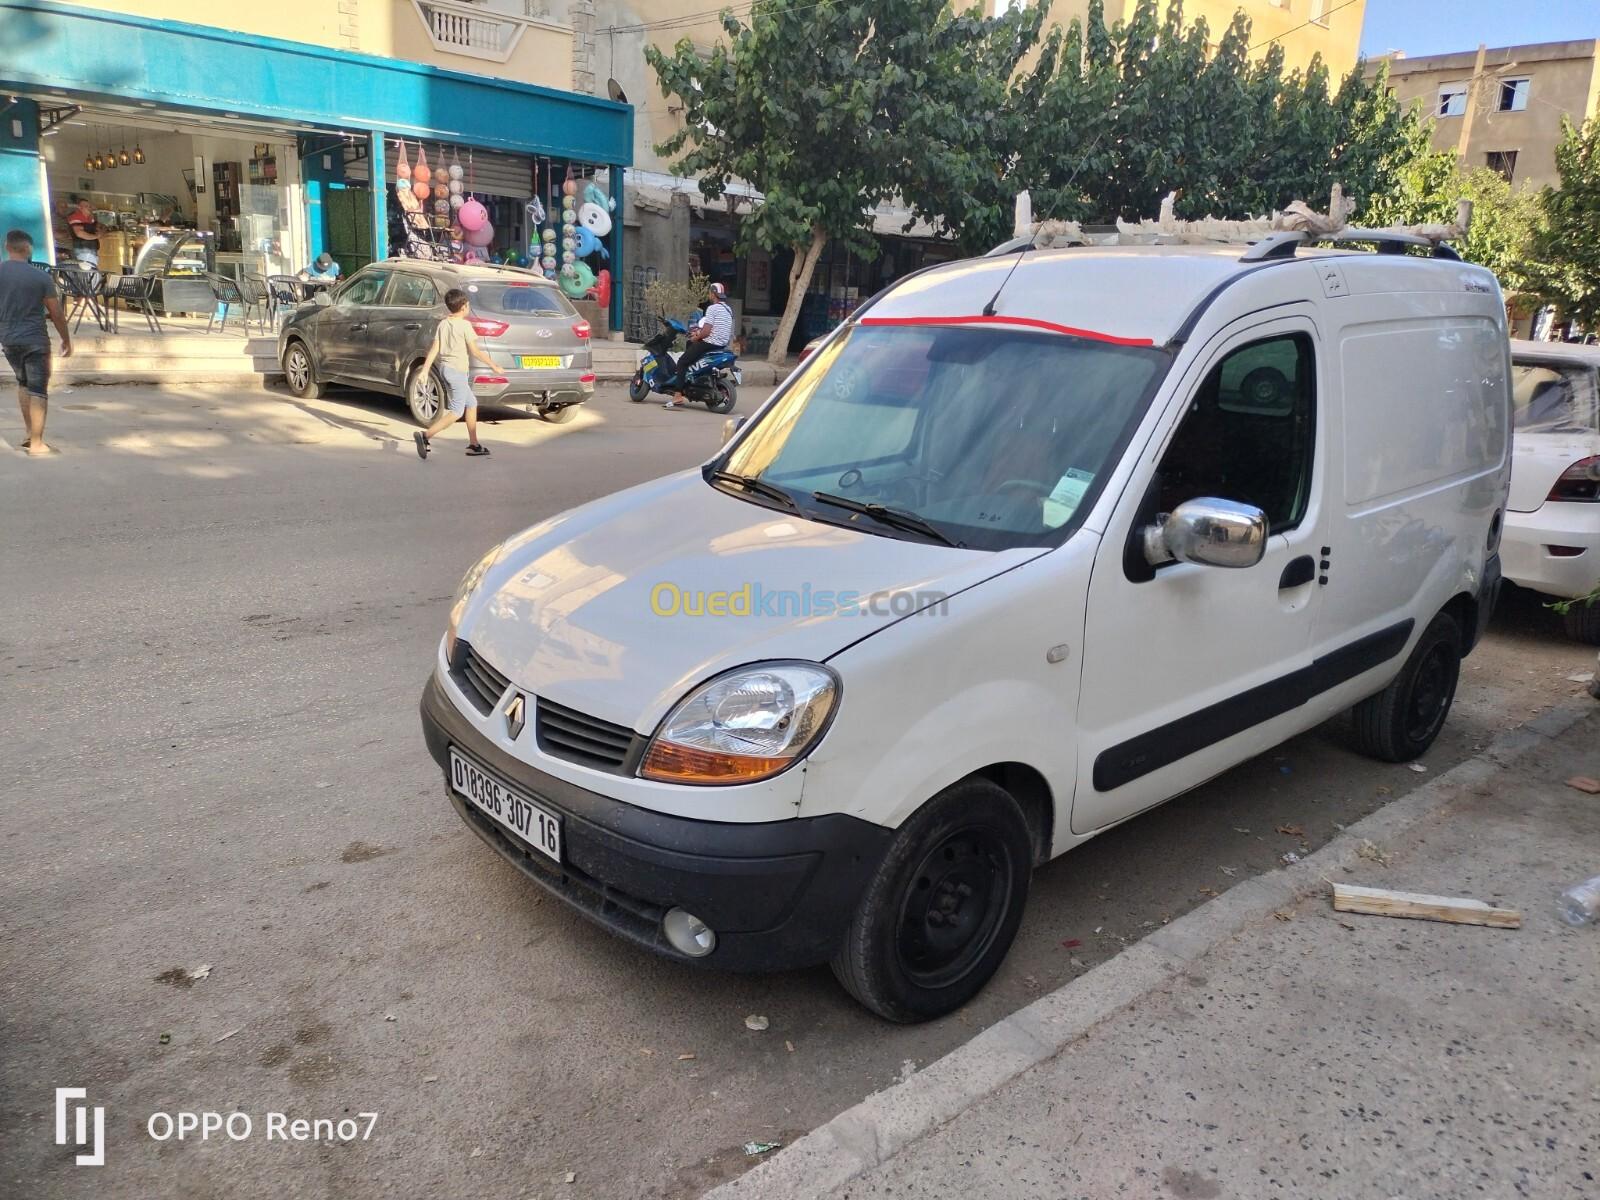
{"points": [[27, 295]]}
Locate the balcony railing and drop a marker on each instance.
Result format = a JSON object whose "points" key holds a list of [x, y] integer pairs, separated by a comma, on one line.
{"points": [[457, 27]]}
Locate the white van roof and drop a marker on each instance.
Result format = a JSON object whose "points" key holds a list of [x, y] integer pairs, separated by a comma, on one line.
{"points": [[1130, 295]]}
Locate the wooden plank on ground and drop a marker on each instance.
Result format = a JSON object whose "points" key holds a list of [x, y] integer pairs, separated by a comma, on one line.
{"points": [[1381, 902]]}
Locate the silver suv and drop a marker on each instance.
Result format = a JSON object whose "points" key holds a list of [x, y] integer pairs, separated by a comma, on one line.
{"points": [[374, 329]]}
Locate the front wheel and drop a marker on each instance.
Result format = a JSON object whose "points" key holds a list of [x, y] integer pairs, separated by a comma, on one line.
{"points": [[299, 373], [559, 416], [943, 907], [723, 397], [1401, 722], [638, 389], [422, 396]]}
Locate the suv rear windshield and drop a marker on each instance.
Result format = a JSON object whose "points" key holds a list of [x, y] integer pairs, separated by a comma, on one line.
{"points": [[996, 437], [536, 299], [1552, 398]]}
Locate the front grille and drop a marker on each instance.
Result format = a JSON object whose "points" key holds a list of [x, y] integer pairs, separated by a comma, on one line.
{"points": [[577, 737], [478, 681]]}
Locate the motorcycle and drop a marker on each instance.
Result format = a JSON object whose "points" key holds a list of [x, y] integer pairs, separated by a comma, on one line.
{"points": [[712, 380]]}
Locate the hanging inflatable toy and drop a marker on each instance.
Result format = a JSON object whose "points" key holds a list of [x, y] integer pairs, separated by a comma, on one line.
{"points": [[535, 210], [589, 244], [402, 168], [472, 215], [441, 177], [602, 288], [456, 172], [594, 214], [483, 235], [576, 280], [455, 187]]}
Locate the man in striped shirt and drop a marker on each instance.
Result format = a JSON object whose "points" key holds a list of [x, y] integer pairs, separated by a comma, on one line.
{"points": [[714, 332]]}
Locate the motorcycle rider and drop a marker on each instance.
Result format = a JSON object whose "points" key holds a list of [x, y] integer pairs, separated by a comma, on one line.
{"points": [[713, 333]]}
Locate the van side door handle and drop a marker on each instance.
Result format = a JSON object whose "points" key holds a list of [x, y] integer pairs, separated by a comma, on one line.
{"points": [[1299, 572], [361, 328], [412, 325]]}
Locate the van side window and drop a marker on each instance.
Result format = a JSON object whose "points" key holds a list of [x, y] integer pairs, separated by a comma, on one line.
{"points": [[1250, 433]]}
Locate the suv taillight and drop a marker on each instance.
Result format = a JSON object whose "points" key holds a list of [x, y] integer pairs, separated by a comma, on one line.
{"points": [[1580, 481], [581, 329], [484, 327]]}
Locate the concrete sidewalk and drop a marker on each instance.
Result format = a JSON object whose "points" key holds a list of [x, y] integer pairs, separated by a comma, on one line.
{"points": [[1266, 1045]]}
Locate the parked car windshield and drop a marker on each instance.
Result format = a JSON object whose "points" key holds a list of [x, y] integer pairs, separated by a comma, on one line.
{"points": [[996, 437], [1554, 399], [498, 296]]}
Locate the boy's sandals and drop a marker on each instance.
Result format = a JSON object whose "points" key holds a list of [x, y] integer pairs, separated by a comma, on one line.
{"points": [[477, 451], [421, 440]]}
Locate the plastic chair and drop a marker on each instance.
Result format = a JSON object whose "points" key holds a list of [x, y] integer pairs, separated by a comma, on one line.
{"points": [[284, 292], [257, 300], [137, 292], [226, 293], [82, 286]]}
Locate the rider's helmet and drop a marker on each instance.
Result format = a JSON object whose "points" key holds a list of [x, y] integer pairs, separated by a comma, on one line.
{"points": [[720, 292]]}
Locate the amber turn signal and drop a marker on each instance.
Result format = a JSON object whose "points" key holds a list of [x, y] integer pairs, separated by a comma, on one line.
{"points": [[666, 763]]}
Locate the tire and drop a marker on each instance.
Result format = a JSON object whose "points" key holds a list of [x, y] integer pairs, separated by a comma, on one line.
{"points": [[638, 389], [422, 396], [1401, 722], [300, 373], [723, 397], [559, 416], [1582, 622], [941, 910]]}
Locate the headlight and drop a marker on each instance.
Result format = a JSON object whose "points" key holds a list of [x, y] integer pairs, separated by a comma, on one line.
{"points": [[469, 584], [746, 725]]}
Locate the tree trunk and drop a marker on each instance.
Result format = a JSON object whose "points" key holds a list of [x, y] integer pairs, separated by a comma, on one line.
{"points": [[805, 265]]}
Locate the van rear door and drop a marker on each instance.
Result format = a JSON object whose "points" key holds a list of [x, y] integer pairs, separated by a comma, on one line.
{"points": [[1189, 669]]}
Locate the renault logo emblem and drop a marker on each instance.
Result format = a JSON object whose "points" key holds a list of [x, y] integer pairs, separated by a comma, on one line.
{"points": [[516, 716]]}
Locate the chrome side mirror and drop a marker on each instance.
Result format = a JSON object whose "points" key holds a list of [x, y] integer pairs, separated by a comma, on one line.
{"points": [[1212, 532], [732, 426]]}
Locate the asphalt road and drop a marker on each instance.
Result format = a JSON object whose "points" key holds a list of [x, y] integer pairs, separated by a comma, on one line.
{"points": [[219, 610]]}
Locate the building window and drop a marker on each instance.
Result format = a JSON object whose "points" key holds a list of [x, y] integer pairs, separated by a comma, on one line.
{"points": [[1502, 161], [1318, 13], [1513, 95], [1452, 100]]}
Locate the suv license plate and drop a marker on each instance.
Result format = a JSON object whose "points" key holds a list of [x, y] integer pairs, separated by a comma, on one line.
{"points": [[538, 360], [513, 812]]}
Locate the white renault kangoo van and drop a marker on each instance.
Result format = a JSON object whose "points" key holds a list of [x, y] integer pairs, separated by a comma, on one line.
{"points": [[1032, 543]]}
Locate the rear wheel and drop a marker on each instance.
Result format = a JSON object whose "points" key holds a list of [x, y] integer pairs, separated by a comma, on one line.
{"points": [[422, 396], [723, 397], [299, 373], [943, 907], [638, 389], [1401, 722], [559, 416], [1583, 622]]}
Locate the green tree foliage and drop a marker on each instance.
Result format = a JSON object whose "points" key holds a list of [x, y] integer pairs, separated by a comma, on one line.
{"points": [[1564, 266], [829, 108]]}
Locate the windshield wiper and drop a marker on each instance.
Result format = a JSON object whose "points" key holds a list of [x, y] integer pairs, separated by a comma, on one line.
{"points": [[759, 486], [897, 517]]}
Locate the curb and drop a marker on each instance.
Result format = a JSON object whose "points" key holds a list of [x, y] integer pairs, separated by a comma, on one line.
{"points": [[887, 1122]]}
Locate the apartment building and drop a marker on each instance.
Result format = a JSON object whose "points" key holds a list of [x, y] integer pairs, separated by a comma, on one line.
{"points": [[1502, 108], [248, 139]]}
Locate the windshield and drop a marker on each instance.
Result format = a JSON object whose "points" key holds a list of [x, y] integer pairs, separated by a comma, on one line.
{"points": [[1554, 399], [996, 437]]}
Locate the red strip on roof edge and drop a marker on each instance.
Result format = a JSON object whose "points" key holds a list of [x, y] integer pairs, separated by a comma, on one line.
{"points": [[1029, 322]]}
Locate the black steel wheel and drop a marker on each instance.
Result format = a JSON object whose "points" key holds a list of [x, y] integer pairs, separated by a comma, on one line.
{"points": [[1402, 721], [943, 907]]}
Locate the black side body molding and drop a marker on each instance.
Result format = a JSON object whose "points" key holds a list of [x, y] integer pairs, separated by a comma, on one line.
{"points": [[1138, 756]]}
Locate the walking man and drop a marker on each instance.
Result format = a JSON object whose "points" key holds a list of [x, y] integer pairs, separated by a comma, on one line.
{"points": [[27, 295], [455, 346], [714, 332]]}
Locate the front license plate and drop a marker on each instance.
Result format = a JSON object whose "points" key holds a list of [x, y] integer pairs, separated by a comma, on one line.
{"points": [[515, 813], [527, 361]]}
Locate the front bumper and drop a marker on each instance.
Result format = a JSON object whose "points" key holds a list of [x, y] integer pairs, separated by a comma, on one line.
{"points": [[779, 894], [1525, 548]]}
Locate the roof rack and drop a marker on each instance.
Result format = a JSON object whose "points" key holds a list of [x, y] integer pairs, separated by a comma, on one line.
{"points": [[1285, 243], [1269, 238]]}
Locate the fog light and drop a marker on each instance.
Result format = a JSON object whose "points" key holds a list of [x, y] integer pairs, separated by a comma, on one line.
{"points": [[688, 933]]}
